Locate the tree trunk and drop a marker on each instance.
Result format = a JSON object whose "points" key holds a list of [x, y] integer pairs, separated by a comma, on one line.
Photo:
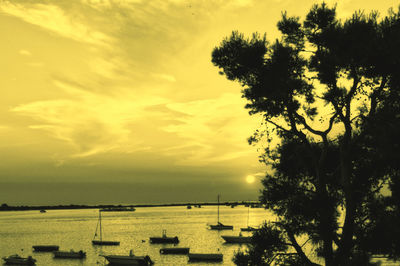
{"points": [[346, 243]]}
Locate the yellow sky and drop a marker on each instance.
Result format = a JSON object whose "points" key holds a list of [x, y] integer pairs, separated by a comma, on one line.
{"points": [[125, 91]]}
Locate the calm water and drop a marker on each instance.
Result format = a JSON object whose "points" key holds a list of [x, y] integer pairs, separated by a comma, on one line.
{"points": [[74, 229]]}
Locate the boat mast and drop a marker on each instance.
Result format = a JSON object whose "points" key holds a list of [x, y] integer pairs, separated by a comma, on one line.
{"points": [[101, 238], [218, 209], [248, 215]]}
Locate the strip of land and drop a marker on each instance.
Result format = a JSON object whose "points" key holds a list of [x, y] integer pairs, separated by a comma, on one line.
{"points": [[5, 207]]}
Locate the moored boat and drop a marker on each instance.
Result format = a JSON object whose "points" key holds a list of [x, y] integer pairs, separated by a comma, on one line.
{"points": [[237, 239], [17, 260], [45, 248], [105, 243], [174, 251], [101, 242], [164, 239], [128, 260], [248, 229], [219, 225], [205, 257], [69, 254]]}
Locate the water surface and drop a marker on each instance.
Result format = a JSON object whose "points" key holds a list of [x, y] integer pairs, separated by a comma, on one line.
{"points": [[74, 229]]}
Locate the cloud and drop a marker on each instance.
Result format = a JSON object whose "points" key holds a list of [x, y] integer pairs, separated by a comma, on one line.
{"points": [[213, 130], [166, 77], [24, 52], [92, 123], [52, 18]]}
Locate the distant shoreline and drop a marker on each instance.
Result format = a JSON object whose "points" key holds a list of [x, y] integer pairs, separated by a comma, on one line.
{"points": [[5, 207]]}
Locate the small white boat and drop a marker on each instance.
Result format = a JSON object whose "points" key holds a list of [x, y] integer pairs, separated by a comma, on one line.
{"points": [[69, 254], [17, 260], [128, 260], [205, 257]]}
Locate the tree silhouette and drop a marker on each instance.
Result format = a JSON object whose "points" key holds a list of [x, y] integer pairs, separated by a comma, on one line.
{"points": [[329, 91]]}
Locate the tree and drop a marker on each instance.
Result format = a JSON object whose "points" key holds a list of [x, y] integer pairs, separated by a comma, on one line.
{"points": [[329, 91]]}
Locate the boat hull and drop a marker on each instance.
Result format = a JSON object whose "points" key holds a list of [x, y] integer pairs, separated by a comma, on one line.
{"points": [[237, 239], [45, 248], [17, 260], [221, 227], [164, 240], [248, 229], [105, 243], [205, 257], [174, 251], [69, 254], [128, 260]]}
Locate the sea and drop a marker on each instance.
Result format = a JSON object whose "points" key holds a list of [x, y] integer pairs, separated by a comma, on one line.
{"points": [[75, 229]]}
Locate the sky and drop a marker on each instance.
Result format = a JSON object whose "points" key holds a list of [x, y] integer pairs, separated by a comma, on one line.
{"points": [[117, 101]]}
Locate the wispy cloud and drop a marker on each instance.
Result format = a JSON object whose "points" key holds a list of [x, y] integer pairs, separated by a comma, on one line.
{"points": [[53, 18], [166, 77], [24, 52], [92, 123], [212, 131]]}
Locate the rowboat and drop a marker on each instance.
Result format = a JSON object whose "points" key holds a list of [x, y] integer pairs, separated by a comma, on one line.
{"points": [[17, 260]]}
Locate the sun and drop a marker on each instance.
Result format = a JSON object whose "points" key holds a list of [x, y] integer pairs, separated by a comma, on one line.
{"points": [[250, 179]]}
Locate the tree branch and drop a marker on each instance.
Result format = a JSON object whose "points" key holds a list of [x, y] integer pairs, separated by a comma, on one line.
{"points": [[295, 245], [278, 126], [304, 123], [375, 95]]}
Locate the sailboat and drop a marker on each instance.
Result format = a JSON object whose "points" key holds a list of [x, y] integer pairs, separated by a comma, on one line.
{"points": [[102, 242], [219, 225], [248, 228]]}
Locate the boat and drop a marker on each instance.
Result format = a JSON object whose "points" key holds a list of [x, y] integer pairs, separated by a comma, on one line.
{"points": [[248, 228], [17, 260], [219, 225], [45, 248], [128, 260], [205, 257], [118, 209], [189, 207], [69, 254], [42, 211], [237, 239], [164, 239], [102, 242], [174, 251]]}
